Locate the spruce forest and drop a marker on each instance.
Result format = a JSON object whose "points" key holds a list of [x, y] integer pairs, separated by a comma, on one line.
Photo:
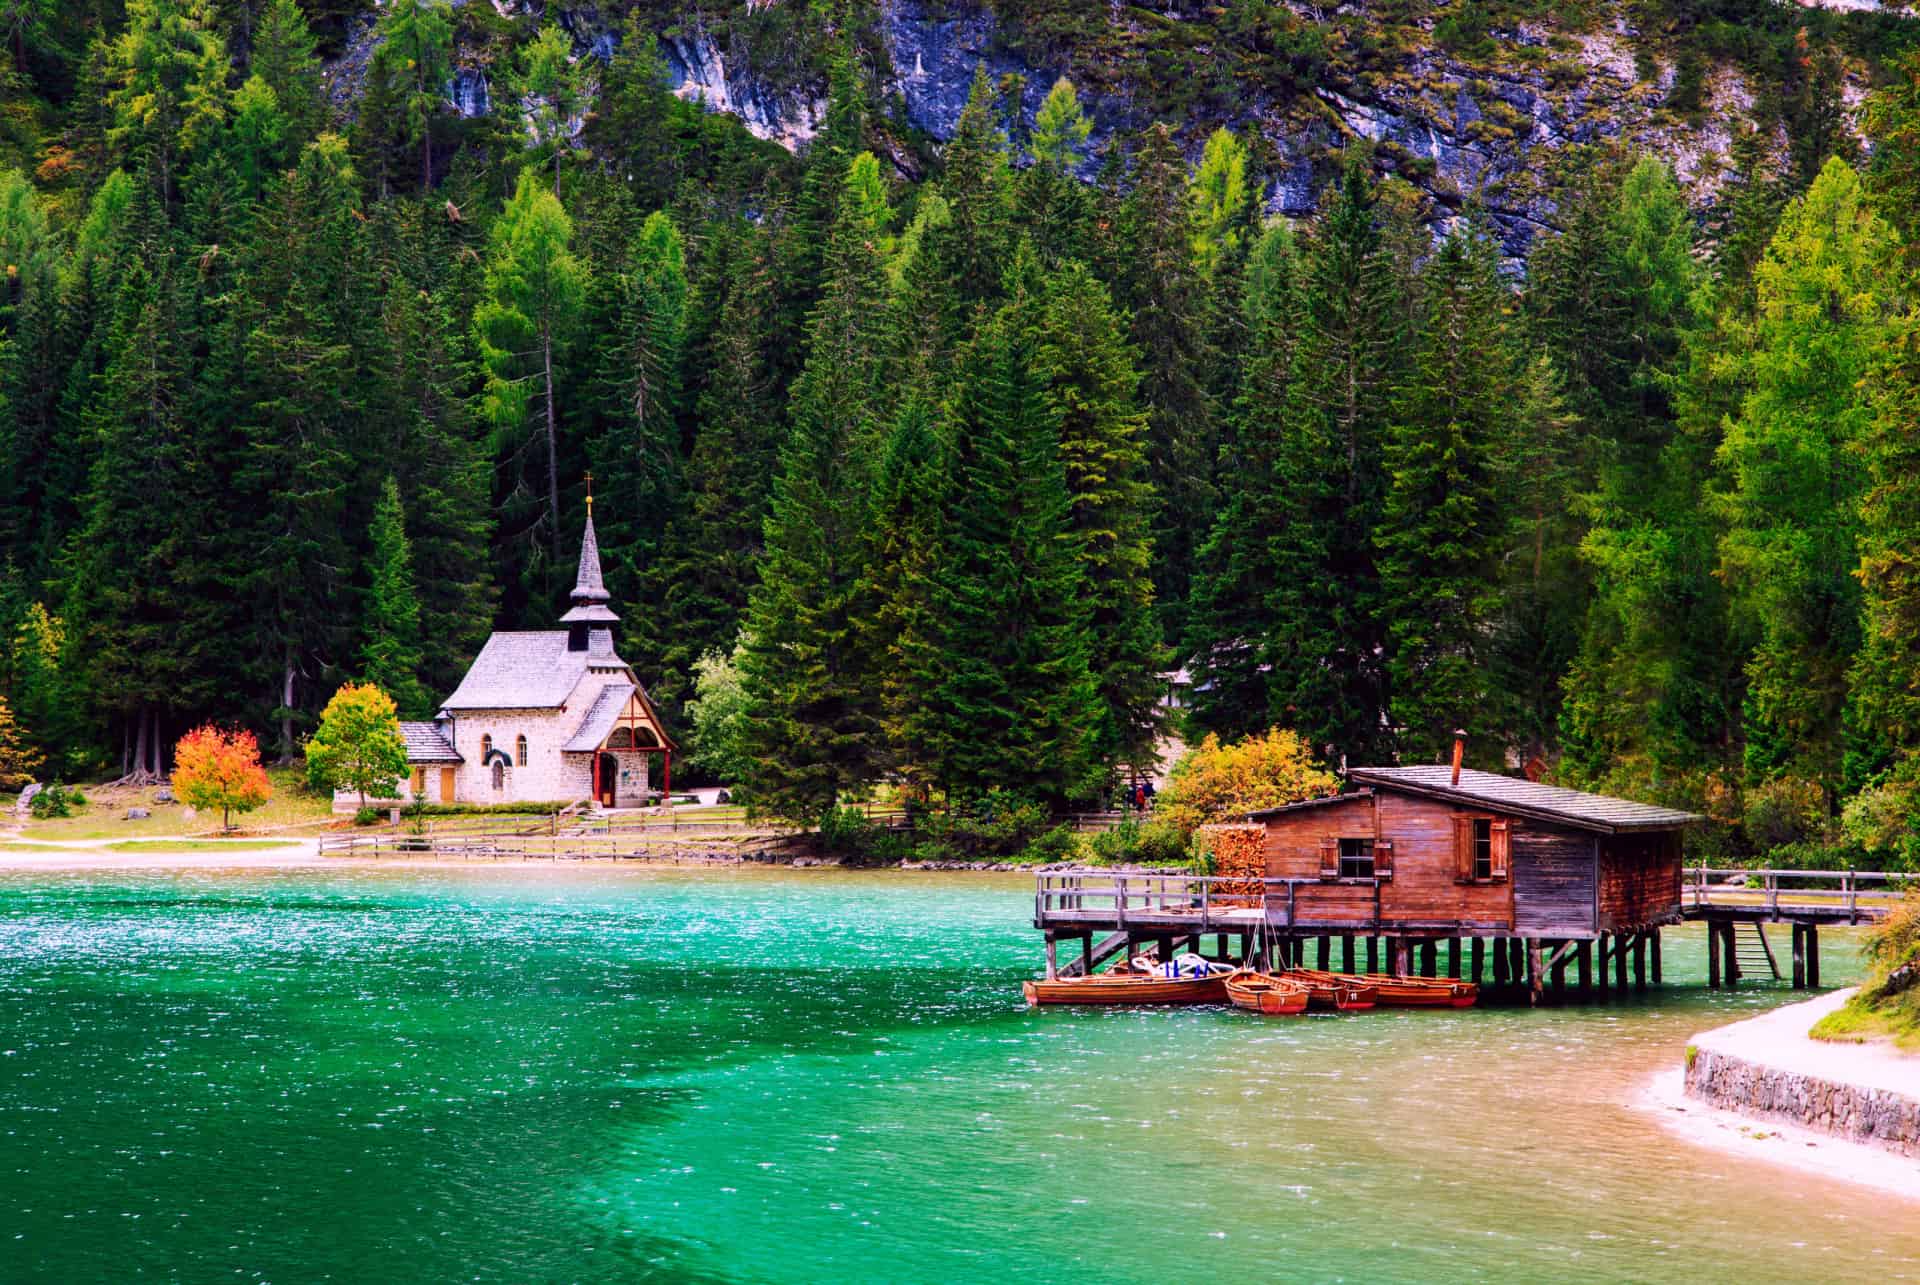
{"points": [[928, 459]]}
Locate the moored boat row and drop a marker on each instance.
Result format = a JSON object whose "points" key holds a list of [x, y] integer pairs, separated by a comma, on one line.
{"points": [[1192, 980]]}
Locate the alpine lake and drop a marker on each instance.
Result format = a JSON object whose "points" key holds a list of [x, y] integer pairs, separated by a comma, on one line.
{"points": [[588, 1073]]}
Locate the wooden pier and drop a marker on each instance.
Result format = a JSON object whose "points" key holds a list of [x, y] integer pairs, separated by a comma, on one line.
{"points": [[1290, 921]]}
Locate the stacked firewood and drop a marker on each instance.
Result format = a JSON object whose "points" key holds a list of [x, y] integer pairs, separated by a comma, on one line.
{"points": [[1240, 861]]}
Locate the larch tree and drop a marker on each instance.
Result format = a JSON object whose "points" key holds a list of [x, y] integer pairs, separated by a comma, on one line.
{"points": [[413, 62], [286, 59], [169, 72], [1791, 477], [555, 92], [531, 297]]}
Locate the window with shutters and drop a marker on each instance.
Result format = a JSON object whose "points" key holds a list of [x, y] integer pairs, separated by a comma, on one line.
{"points": [[1479, 849], [1356, 858]]}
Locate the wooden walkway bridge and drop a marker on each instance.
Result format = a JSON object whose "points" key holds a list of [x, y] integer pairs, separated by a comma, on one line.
{"points": [[1106, 912]]}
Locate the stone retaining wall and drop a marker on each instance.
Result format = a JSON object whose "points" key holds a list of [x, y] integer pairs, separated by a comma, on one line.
{"points": [[1855, 1112]]}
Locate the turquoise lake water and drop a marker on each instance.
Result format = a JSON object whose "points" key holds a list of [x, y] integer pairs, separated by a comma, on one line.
{"points": [[595, 1074]]}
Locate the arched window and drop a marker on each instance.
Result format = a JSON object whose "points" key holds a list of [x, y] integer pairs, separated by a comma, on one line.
{"points": [[486, 746], [620, 739], [643, 738], [499, 776], [520, 752]]}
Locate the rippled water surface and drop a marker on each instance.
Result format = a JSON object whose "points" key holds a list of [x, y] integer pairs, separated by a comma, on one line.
{"points": [[594, 1074]]}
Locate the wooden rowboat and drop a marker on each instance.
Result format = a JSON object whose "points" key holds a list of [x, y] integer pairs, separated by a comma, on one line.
{"points": [[1342, 992], [1128, 988], [1424, 992], [1266, 994]]}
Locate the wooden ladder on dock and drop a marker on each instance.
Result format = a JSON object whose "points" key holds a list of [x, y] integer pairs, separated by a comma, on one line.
{"points": [[1754, 952]]}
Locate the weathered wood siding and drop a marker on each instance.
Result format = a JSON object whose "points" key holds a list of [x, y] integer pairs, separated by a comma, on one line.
{"points": [[1424, 890], [1293, 838], [1423, 894], [1639, 879], [1553, 880]]}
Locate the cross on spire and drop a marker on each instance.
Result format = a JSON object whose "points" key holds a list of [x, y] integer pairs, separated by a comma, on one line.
{"points": [[589, 494]]}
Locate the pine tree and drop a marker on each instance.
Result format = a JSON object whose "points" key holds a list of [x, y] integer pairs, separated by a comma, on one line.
{"points": [[435, 444], [713, 549], [390, 622], [1088, 383], [554, 89], [1163, 290], [976, 243], [286, 60], [1327, 639], [631, 128], [1230, 628], [1015, 705], [814, 722], [636, 457], [1054, 209], [1441, 530], [308, 308]]}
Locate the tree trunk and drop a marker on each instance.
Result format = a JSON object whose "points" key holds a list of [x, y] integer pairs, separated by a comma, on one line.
{"points": [[553, 445], [286, 707]]}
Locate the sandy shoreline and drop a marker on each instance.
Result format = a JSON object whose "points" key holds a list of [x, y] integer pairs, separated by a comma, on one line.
{"points": [[1778, 1039]]}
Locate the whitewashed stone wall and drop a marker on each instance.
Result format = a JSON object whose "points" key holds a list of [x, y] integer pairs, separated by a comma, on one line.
{"points": [[549, 775], [1852, 1111]]}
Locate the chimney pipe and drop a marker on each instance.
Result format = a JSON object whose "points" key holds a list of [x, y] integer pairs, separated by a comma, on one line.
{"points": [[1459, 751]]}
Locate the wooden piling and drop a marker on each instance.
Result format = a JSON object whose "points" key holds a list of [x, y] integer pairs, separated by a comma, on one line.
{"points": [[1346, 952], [1086, 955], [1799, 957], [1813, 956], [1640, 962], [1534, 970], [1559, 977], [1656, 957], [1429, 958], [1053, 964], [1326, 952], [1478, 951], [1713, 955], [1499, 962], [1373, 954], [1453, 958], [1622, 943], [1583, 967]]}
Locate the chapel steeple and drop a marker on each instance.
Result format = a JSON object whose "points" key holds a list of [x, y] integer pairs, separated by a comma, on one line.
{"points": [[590, 596]]}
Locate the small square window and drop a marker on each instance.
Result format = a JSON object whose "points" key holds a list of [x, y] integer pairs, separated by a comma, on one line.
{"points": [[1356, 858], [1482, 848]]}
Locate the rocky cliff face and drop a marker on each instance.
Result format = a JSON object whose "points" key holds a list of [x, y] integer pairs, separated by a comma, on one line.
{"points": [[1477, 127]]}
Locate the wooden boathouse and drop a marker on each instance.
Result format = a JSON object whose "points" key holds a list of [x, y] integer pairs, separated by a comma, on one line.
{"points": [[1539, 878]]}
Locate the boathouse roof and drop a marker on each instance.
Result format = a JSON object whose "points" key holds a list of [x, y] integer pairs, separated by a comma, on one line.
{"points": [[1304, 804], [1599, 812], [426, 743]]}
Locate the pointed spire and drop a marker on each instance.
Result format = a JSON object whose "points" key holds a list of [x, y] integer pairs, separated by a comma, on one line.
{"points": [[590, 594]]}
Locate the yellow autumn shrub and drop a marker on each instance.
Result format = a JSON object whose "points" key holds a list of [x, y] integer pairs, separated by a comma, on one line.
{"points": [[1215, 782]]}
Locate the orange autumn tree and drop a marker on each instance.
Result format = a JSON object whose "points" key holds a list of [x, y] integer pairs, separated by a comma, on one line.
{"points": [[217, 768], [1215, 782]]}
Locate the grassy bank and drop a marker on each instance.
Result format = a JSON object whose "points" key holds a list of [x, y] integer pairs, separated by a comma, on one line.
{"points": [[104, 816], [1888, 1005]]}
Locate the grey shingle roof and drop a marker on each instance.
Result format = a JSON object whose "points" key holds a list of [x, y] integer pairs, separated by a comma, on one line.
{"points": [[600, 718], [1303, 804], [426, 743], [1524, 798], [528, 671]]}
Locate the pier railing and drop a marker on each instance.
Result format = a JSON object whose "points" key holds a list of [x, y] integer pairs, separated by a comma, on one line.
{"points": [[1200, 903], [1857, 893]]}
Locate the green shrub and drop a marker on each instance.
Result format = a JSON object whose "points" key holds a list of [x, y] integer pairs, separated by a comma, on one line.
{"points": [[1155, 843], [484, 809], [848, 834], [1464, 31], [1057, 844], [56, 801], [368, 816]]}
